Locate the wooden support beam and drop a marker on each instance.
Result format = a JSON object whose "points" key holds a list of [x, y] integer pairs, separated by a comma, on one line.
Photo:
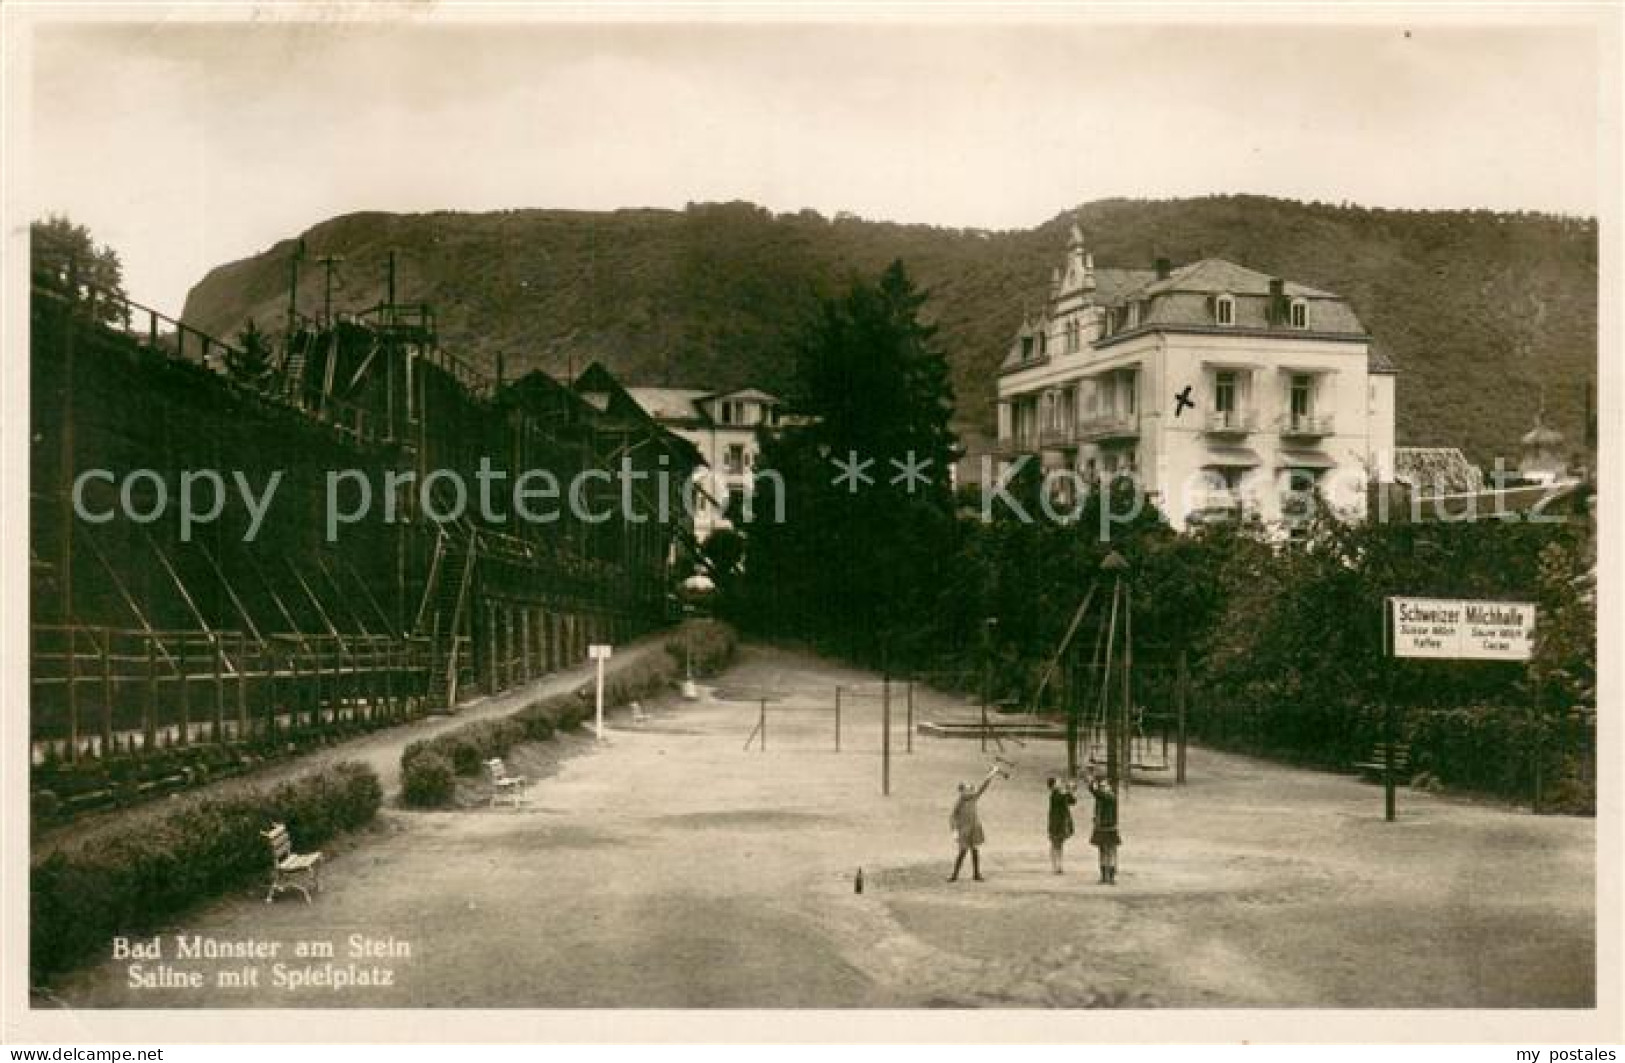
{"points": [[524, 644], [106, 648], [73, 694], [276, 599], [119, 586], [243, 731], [186, 693], [231, 593], [149, 701], [217, 728], [180, 585], [508, 645]]}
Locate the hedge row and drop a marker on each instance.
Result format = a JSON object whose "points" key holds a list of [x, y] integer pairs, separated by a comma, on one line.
{"points": [[1481, 748], [138, 880], [429, 767], [59, 789]]}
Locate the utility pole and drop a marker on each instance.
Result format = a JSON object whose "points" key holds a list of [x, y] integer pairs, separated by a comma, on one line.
{"points": [[885, 719], [293, 288], [987, 672], [885, 735], [65, 477], [328, 261], [1184, 687]]}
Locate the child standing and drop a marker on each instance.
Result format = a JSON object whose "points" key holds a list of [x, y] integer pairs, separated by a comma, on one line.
{"points": [[966, 823], [1062, 796], [1105, 836]]}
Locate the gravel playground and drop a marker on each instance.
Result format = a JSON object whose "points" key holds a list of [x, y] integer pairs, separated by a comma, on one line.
{"points": [[669, 866]]}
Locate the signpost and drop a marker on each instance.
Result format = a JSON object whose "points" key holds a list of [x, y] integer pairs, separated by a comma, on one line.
{"points": [[600, 652], [1450, 629]]}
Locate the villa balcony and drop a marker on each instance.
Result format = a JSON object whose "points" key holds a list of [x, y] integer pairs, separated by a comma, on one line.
{"points": [[1015, 446], [1110, 426], [1309, 426], [1216, 506], [1059, 436], [1230, 422]]}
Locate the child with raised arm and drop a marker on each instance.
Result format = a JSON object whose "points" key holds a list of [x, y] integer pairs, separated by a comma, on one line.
{"points": [[1105, 836], [966, 824]]}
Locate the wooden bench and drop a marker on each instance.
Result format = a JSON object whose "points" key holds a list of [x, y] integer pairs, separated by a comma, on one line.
{"points": [[506, 787], [290, 870], [1377, 765]]}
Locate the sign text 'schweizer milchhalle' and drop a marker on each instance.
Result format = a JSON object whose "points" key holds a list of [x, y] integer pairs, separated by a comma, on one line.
{"points": [[1455, 629]]}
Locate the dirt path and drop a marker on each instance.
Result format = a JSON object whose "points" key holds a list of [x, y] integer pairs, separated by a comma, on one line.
{"points": [[669, 867]]}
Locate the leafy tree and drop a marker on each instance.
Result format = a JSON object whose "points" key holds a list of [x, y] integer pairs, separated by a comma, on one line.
{"points": [[59, 248]]}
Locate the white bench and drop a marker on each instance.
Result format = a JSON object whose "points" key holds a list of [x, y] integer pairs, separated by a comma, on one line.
{"points": [[506, 787], [290, 870]]}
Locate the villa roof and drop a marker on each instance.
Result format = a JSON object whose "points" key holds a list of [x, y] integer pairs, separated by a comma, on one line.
{"points": [[669, 404]]}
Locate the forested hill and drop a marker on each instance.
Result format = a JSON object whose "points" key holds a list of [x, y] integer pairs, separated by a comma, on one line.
{"points": [[1476, 308]]}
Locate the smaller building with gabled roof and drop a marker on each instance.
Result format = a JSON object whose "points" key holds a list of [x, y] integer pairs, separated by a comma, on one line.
{"points": [[727, 428]]}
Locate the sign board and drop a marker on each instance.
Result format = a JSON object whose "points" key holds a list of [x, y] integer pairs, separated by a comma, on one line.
{"points": [[598, 652], [1452, 629]]}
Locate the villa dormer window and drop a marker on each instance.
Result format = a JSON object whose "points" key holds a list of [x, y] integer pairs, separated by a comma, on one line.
{"points": [[1133, 315], [1300, 314], [1224, 310]]}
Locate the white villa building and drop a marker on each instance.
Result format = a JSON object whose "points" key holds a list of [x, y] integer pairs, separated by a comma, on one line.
{"points": [[1223, 389], [728, 428]]}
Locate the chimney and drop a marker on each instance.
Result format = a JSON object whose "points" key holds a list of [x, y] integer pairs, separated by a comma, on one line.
{"points": [[1165, 269]]}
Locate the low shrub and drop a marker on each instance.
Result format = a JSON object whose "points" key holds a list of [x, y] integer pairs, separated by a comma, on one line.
{"points": [[708, 646], [137, 880], [465, 749], [427, 780]]}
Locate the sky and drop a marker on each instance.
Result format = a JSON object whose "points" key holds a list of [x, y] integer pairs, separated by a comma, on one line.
{"points": [[187, 145]]}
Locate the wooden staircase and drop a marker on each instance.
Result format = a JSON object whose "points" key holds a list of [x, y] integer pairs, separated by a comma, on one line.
{"points": [[443, 615]]}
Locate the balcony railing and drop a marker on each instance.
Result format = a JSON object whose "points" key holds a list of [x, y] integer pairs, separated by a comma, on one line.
{"points": [[1231, 422], [1010, 446], [1058, 435], [1216, 505], [1112, 426], [1307, 426]]}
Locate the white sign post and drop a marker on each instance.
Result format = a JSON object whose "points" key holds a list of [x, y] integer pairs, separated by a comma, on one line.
{"points": [[1451, 629], [600, 652]]}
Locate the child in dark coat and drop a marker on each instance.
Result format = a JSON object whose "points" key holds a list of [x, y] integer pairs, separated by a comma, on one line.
{"points": [[1062, 796], [1105, 836]]}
